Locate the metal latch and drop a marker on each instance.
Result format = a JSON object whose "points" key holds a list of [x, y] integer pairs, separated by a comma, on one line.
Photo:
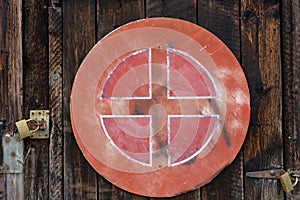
{"points": [[37, 127], [273, 174], [43, 118], [13, 149], [288, 179]]}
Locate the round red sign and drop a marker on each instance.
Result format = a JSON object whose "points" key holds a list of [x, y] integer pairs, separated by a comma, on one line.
{"points": [[160, 106]]}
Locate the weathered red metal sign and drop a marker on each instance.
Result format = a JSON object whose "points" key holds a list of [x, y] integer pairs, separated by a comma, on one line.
{"points": [[160, 106]]}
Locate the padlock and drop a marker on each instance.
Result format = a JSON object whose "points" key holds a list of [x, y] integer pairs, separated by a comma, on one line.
{"points": [[286, 182], [23, 128]]}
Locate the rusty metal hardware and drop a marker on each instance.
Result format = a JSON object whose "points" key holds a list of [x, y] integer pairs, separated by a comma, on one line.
{"points": [[43, 119], [37, 127], [289, 179], [272, 174], [13, 148]]}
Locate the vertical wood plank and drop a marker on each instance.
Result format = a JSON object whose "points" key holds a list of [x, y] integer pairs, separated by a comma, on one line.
{"points": [[36, 93], [3, 76], [1, 186], [222, 18], [11, 98], [181, 9], [291, 84], [3, 67], [113, 13], [11, 63], [80, 180], [261, 60], [110, 15], [35, 33], [55, 91]]}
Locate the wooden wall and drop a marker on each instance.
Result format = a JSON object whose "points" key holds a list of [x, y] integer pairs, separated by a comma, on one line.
{"points": [[42, 43]]}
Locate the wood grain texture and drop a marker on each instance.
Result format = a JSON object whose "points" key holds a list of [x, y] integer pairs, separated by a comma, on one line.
{"points": [[181, 9], [36, 93], [113, 13], [118, 193], [104, 189], [228, 184], [110, 15], [11, 98], [222, 18], [261, 60], [55, 92], [1, 185], [3, 66], [80, 180], [11, 63], [3, 73], [292, 197], [291, 84]]}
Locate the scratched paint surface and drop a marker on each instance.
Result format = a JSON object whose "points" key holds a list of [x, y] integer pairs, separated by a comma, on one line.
{"points": [[170, 106]]}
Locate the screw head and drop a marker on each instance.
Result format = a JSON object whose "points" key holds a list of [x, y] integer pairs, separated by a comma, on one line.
{"points": [[55, 77]]}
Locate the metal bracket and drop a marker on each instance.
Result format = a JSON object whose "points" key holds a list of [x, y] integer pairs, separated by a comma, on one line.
{"points": [[272, 173], [42, 116], [13, 148]]}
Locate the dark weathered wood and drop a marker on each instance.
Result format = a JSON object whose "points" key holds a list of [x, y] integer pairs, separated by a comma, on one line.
{"points": [[11, 100], [3, 77], [3, 72], [36, 89], [118, 193], [80, 180], [104, 189], [55, 91], [228, 184], [293, 197], [194, 194], [113, 13], [222, 18], [11, 63], [1, 186], [291, 84], [261, 61], [181, 9], [36, 93], [110, 15]]}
